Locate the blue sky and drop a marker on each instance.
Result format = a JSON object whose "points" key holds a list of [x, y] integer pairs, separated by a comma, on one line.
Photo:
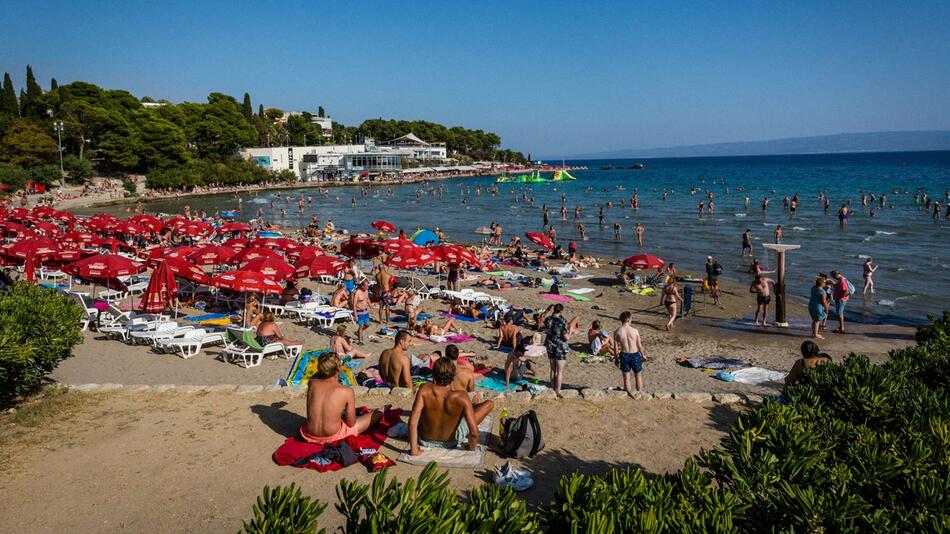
{"points": [[552, 78]]}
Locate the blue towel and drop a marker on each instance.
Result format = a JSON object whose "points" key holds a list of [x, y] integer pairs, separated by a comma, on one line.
{"points": [[495, 384], [460, 317]]}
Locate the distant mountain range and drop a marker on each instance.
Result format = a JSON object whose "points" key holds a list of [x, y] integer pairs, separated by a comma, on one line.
{"points": [[822, 144]]}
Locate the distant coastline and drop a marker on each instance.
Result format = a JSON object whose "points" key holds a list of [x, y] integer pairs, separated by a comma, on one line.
{"points": [[844, 143]]}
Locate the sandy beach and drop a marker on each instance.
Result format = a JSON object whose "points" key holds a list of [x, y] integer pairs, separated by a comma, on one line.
{"points": [[176, 462], [711, 332]]}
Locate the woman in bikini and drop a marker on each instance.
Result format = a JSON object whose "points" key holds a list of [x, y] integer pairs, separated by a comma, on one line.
{"points": [[431, 329], [268, 332], [670, 299]]}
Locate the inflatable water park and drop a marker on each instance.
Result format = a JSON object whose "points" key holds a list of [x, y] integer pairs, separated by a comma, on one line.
{"points": [[536, 178]]}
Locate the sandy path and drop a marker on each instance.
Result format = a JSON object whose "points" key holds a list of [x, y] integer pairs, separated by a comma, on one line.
{"points": [[178, 462]]}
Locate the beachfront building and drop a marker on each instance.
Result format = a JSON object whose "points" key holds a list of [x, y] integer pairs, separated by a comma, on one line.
{"points": [[325, 123], [347, 162]]}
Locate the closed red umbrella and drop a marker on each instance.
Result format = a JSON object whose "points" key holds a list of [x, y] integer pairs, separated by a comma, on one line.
{"points": [[361, 249], [249, 254], [275, 268], [644, 261], [409, 257], [540, 239], [101, 266], [384, 226], [185, 269], [320, 265], [243, 281], [212, 255], [162, 290]]}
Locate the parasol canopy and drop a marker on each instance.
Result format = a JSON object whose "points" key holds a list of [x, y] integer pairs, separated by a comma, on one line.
{"points": [[644, 261], [384, 226], [540, 239]]}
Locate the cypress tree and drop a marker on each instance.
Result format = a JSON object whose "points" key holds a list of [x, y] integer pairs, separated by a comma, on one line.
{"points": [[246, 107], [53, 85], [8, 103], [23, 103], [33, 93], [260, 111], [320, 112]]}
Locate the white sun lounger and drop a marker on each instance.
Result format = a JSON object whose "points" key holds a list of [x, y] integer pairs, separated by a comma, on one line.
{"points": [[191, 342], [168, 330], [252, 357]]}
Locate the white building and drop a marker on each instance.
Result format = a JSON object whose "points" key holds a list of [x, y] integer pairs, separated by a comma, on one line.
{"points": [[411, 147], [325, 123]]}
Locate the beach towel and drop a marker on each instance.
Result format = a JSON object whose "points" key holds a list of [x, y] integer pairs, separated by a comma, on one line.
{"points": [[757, 375], [221, 321], [581, 290], [206, 317], [454, 458], [299, 453], [712, 363], [579, 298], [558, 298], [458, 338], [498, 384], [581, 277], [459, 317], [591, 358], [305, 365]]}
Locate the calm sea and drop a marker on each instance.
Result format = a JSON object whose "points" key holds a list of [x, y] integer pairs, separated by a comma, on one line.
{"points": [[910, 247]]}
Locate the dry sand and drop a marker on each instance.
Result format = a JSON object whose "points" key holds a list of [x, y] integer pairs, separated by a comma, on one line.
{"points": [[711, 332], [176, 462]]}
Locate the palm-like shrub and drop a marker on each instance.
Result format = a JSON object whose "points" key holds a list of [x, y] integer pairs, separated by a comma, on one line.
{"points": [[285, 510]]}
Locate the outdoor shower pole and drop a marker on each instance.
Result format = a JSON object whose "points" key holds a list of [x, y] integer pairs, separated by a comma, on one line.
{"points": [[780, 282]]}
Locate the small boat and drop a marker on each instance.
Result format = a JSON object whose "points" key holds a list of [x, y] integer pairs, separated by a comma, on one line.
{"points": [[607, 168], [636, 166]]}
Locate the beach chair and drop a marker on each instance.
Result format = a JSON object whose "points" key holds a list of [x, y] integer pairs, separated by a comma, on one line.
{"points": [[91, 313], [112, 295], [191, 343], [423, 290], [328, 317], [242, 345], [169, 330]]}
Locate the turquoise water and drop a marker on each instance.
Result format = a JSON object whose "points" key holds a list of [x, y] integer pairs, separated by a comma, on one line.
{"points": [[911, 248]]}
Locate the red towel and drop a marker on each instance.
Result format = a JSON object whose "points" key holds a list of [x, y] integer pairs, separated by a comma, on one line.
{"points": [[296, 449]]}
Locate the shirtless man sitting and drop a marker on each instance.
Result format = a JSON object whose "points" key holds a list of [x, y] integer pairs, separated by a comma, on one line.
{"points": [[331, 407], [443, 418], [394, 364], [508, 335]]}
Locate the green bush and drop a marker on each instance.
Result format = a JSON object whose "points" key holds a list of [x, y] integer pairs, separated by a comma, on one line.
{"points": [[38, 329], [285, 510], [856, 448], [78, 171], [230, 171], [13, 176]]}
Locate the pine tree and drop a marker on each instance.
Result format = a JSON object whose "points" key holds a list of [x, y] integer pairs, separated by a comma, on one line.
{"points": [[260, 111], [8, 103], [53, 85], [246, 107]]}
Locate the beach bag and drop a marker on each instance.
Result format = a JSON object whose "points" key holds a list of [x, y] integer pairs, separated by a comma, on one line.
{"points": [[850, 287], [521, 436]]}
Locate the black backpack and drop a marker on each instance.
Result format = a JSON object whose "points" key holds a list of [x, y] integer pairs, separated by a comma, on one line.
{"points": [[521, 436]]}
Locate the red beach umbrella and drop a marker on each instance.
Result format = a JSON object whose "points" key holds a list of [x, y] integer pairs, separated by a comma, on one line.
{"points": [[10, 227], [238, 243], [103, 266], [409, 257], [246, 282], [46, 228], [162, 290], [392, 245], [320, 265], [151, 222], [644, 261], [129, 228], [71, 254], [212, 255], [540, 239], [233, 226], [280, 243], [305, 252], [249, 254], [63, 216], [361, 248], [455, 254], [79, 238], [384, 226], [275, 268], [179, 252], [38, 247], [43, 211], [18, 214], [192, 229], [113, 244], [185, 269]]}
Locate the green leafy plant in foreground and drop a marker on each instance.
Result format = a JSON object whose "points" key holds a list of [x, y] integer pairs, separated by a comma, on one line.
{"points": [[38, 329], [285, 510]]}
